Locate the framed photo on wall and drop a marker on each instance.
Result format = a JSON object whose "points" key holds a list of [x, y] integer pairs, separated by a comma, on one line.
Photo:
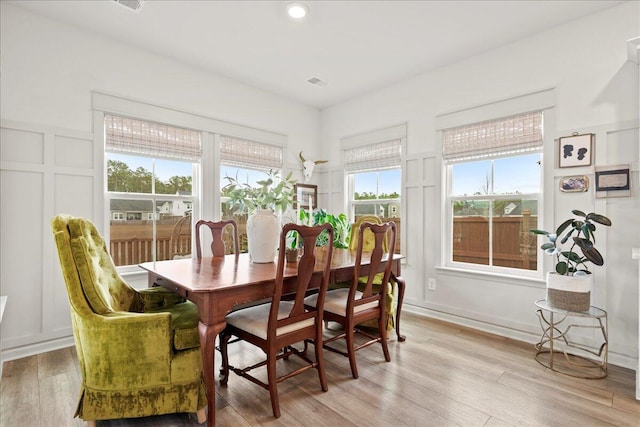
{"points": [[576, 150], [305, 196], [613, 181]]}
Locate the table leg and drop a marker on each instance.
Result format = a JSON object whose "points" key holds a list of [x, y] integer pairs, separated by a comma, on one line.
{"points": [[208, 334]]}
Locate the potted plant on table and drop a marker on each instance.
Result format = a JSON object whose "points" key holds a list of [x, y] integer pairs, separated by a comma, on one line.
{"points": [[569, 286], [340, 223], [271, 195]]}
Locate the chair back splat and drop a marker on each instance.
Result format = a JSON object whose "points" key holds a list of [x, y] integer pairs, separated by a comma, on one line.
{"points": [[218, 246], [277, 326]]}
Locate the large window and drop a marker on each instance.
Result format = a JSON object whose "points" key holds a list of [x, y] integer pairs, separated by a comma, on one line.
{"points": [[151, 173], [374, 182], [248, 162], [494, 192]]}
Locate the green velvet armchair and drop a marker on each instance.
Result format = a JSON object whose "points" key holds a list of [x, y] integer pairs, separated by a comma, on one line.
{"points": [[139, 351]]}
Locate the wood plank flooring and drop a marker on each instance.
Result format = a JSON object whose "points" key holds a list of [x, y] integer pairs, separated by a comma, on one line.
{"points": [[443, 375]]}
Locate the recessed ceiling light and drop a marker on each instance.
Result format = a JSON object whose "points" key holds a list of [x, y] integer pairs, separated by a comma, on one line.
{"points": [[297, 10]]}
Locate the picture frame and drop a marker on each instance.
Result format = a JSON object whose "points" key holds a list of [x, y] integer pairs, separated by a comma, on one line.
{"points": [[305, 194], [574, 184], [613, 181], [575, 150]]}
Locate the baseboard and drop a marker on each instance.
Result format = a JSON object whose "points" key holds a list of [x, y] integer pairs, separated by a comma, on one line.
{"points": [[37, 348], [614, 358]]}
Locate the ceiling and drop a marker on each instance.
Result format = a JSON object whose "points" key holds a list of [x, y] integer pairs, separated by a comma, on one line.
{"points": [[354, 46]]}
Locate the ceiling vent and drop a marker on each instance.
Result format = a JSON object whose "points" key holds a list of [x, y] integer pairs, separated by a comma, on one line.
{"points": [[318, 82], [134, 5]]}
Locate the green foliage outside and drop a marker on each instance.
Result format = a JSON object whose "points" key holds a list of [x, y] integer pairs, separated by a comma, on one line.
{"points": [[368, 195], [120, 178]]}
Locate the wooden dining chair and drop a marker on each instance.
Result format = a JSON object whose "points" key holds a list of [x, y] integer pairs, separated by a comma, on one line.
{"points": [[218, 246], [277, 326], [350, 306]]}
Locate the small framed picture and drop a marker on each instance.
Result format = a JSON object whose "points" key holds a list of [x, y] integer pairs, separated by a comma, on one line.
{"points": [[574, 184], [613, 181], [306, 196], [576, 150]]}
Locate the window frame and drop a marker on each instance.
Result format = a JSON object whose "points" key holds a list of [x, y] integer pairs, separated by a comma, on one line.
{"points": [[543, 100], [448, 225], [206, 183], [391, 133], [153, 197]]}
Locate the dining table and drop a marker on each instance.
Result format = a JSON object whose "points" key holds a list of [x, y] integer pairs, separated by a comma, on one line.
{"points": [[217, 284]]}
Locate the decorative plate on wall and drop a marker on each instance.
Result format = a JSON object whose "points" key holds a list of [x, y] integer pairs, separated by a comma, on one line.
{"points": [[574, 184]]}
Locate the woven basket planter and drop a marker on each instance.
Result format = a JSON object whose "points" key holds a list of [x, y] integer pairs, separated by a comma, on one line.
{"points": [[572, 293]]}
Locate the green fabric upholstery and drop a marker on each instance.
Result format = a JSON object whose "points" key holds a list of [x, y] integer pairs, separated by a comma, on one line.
{"points": [[139, 352]]}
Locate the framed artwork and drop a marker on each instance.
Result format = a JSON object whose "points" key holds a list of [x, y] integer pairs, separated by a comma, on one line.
{"points": [[613, 181], [305, 196], [576, 150], [574, 184]]}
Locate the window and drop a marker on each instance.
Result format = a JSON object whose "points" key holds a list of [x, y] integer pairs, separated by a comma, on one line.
{"points": [[374, 181], [494, 192], [151, 170], [247, 161]]}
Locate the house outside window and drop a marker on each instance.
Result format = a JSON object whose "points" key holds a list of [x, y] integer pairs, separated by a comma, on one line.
{"points": [[374, 177], [494, 193], [151, 169]]}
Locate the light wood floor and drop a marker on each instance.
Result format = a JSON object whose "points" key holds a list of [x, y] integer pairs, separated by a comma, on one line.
{"points": [[443, 375]]}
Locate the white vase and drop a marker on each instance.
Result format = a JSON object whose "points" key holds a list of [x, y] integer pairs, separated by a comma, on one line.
{"points": [[571, 293], [263, 233]]}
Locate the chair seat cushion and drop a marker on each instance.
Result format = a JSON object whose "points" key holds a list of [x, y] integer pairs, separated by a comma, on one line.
{"points": [[184, 323], [336, 302], [254, 320]]}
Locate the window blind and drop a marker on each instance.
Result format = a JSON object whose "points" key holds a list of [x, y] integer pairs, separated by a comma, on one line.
{"points": [[379, 156], [249, 154], [518, 133], [133, 136]]}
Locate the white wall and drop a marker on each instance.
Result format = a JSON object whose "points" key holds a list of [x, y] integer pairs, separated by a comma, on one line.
{"points": [[596, 90], [49, 163]]}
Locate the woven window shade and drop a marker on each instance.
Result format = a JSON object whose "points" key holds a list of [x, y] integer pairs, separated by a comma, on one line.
{"points": [[379, 156], [132, 136], [519, 133], [249, 154]]}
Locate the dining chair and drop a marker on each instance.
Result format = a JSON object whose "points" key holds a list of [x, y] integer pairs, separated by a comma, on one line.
{"points": [[277, 326], [351, 307], [180, 241], [392, 314], [218, 245]]}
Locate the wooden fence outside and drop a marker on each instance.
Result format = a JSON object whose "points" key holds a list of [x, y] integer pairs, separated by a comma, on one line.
{"points": [[513, 245]]}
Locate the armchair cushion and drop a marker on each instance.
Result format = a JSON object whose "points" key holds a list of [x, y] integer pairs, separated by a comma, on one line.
{"points": [[184, 324], [158, 297]]}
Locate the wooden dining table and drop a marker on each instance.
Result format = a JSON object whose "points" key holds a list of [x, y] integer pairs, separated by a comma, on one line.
{"points": [[217, 284]]}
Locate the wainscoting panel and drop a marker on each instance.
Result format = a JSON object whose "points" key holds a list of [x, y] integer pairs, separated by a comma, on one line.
{"points": [[43, 171]]}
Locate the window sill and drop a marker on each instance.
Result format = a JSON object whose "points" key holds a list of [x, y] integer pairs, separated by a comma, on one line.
{"points": [[531, 281]]}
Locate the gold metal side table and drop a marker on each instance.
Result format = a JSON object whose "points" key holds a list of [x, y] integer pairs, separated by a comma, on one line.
{"points": [[558, 352]]}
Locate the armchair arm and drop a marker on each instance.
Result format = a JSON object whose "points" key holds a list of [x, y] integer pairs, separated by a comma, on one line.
{"points": [[124, 350], [158, 297]]}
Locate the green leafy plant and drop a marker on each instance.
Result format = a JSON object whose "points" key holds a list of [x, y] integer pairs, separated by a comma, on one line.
{"points": [[340, 223], [581, 232], [270, 193]]}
